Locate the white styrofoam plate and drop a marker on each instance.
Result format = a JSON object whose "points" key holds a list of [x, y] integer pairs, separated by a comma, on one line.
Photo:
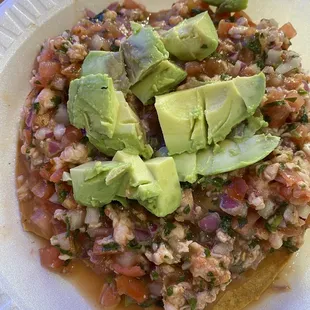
{"points": [[24, 24]]}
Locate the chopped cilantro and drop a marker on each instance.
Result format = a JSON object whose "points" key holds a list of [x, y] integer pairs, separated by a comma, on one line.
{"points": [[261, 169], [134, 245], [181, 278], [304, 118], [154, 275], [189, 236], [274, 223], [254, 44], [216, 182], [225, 77], [226, 223], [221, 264], [260, 63], [196, 11], [168, 228], [63, 48], [62, 195], [36, 107], [67, 262], [291, 127], [267, 118], [216, 55], [289, 245], [56, 101], [301, 91], [112, 246], [114, 48], [275, 103], [68, 227], [170, 291], [186, 185], [65, 252], [192, 303], [242, 221], [187, 209], [207, 252], [293, 99], [253, 243], [37, 82]]}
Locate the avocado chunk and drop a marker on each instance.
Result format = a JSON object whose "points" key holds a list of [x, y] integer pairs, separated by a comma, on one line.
{"points": [[234, 155], [228, 5], [140, 184], [194, 38], [111, 63], [182, 121], [96, 183], [142, 51], [93, 104], [229, 103], [186, 164], [129, 134], [165, 173], [164, 78]]}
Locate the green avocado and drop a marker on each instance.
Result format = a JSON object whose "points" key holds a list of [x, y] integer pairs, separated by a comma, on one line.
{"points": [[140, 183], [142, 51], [234, 155], [165, 173], [228, 5], [194, 38], [186, 164], [96, 184], [111, 63], [129, 134], [164, 78], [182, 121], [229, 103], [93, 104]]}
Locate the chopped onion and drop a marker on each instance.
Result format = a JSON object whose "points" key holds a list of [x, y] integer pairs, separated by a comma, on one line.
{"points": [[29, 119], [290, 65], [303, 211], [210, 223], [306, 86], [61, 240], [61, 115], [142, 234], [92, 217], [222, 249], [59, 131], [53, 148], [127, 259], [99, 232], [54, 198], [43, 133], [155, 288], [96, 42], [274, 57], [76, 219], [239, 65], [232, 206], [42, 220]]}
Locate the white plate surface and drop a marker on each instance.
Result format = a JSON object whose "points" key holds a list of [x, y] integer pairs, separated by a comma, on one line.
{"points": [[24, 24]]}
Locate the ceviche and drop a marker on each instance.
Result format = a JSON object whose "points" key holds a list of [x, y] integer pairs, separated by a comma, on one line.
{"points": [[169, 152]]}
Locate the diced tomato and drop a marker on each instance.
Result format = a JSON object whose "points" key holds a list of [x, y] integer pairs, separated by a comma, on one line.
{"points": [[135, 271], [223, 28], [300, 135], [278, 114], [289, 30], [290, 177], [45, 171], [46, 55], [131, 5], [248, 229], [49, 257], [239, 14], [295, 100], [57, 175], [27, 136], [237, 188], [193, 68], [291, 231], [43, 189], [132, 287], [300, 196], [41, 223], [109, 296], [48, 69], [71, 135]]}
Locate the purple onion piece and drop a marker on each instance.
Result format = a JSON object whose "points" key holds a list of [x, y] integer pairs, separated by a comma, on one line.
{"points": [[210, 223], [153, 228], [53, 148], [306, 86], [29, 119], [142, 234], [232, 206]]}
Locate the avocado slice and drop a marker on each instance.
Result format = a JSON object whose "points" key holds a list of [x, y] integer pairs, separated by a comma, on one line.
{"points": [[111, 63], [182, 121], [165, 173], [140, 184], [93, 104], [142, 51], [129, 134], [186, 164], [228, 5], [164, 78], [194, 38], [234, 155], [231, 102], [96, 183]]}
